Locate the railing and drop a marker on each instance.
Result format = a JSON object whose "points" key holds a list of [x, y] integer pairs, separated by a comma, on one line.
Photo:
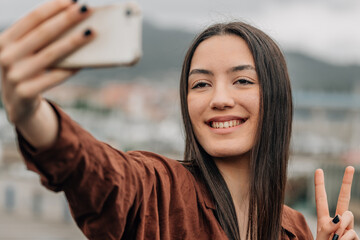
{"points": [[23, 199]]}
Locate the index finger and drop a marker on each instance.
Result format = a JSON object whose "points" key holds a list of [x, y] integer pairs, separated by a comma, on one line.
{"points": [[33, 19], [345, 191], [322, 208]]}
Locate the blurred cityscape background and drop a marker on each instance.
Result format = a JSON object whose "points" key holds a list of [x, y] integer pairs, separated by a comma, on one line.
{"points": [[138, 108]]}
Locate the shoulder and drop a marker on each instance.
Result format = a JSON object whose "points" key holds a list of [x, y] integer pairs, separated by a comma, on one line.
{"points": [[156, 160], [161, 165], [294, 223], [169, 176]]}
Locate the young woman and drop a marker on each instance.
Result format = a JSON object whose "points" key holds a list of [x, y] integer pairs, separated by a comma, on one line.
{"points": [[237, 112]]}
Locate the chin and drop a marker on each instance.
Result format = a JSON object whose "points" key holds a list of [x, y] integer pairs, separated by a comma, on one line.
{"points": [[228, 153]]}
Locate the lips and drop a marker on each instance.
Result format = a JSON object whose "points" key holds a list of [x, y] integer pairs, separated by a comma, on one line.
{"points": [[225, 122]]}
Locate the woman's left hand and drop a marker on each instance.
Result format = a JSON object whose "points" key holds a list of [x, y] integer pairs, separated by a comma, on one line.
{"points": [[340, 227]]}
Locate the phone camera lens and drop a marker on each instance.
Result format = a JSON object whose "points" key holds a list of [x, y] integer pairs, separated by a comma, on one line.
{"points": [[128, 12]]}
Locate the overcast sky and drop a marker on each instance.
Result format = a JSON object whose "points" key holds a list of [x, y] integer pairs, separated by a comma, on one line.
{"points": [[327, 29]]}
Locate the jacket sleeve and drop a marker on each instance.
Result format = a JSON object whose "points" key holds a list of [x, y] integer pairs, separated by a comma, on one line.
{"points": [[93, 176]]}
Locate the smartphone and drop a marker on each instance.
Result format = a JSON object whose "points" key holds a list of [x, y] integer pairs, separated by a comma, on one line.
{"points": [[118, 39]]}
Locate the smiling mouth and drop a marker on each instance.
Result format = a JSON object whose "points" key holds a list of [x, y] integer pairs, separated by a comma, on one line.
{"points": [[227, 124]]}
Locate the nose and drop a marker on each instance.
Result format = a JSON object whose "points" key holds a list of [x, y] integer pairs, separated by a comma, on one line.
{"points": [[222, 99]]}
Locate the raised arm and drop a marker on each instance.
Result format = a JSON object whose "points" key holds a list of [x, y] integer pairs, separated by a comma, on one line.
{"points": [[28, 49]]}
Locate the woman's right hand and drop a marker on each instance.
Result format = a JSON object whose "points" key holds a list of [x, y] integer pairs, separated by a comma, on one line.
{"points": [[30, 47]]}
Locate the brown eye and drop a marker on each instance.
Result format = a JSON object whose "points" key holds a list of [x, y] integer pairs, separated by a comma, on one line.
{"points": [[200, 85], [243, 82]]}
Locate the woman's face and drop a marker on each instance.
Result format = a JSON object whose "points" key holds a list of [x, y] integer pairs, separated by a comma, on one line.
{"points": [[223, 96]]}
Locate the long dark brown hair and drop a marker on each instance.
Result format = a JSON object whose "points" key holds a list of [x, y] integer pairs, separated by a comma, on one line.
{"points": [[269, 156]]}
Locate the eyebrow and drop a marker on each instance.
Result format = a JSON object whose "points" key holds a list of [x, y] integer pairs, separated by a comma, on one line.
{"points": [[241, 68], [231, 70], [201, 71]]}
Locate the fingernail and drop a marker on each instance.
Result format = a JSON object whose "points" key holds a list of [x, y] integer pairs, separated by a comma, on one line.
{"points": [[83, 9], [87, 32], [335, 237], [336, 219]]}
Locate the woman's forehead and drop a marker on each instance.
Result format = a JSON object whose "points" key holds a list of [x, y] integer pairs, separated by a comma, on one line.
{"points": [[222, 51]]}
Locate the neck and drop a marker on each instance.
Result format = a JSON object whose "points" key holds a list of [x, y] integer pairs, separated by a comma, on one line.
{"points": [[236, 173]]}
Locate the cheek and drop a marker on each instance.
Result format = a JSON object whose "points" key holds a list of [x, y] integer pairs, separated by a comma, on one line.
{"points": [[254, 101], [250, 102], [255, 110], [195, 107], [191, 108]]}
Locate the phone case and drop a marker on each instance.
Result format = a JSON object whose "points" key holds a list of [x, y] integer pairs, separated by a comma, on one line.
{"points": [[118, 38]]}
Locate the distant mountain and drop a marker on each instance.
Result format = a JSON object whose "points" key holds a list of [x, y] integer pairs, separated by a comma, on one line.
{"points": [[164, 50], [311, 74]]}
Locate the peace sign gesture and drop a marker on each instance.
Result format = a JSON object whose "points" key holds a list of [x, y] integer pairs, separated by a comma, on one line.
{"points": [[341, 226]]}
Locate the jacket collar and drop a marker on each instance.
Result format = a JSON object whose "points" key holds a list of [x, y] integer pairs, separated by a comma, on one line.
{"points": [[286, 222]]}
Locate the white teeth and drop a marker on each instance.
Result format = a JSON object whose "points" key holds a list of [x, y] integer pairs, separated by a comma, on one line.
{"points": [[226, 124]]}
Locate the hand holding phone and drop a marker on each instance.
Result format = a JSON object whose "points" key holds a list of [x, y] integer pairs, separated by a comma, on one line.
{"points": [[30, 50], [118, 38]]}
